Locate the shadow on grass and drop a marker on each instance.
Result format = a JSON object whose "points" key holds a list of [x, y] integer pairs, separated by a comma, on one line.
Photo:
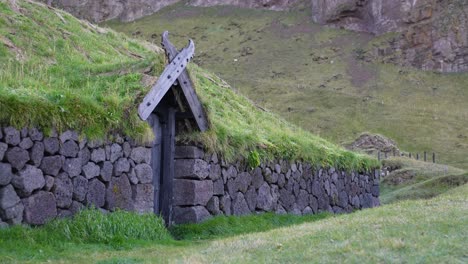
{"points": [[226, 226]]}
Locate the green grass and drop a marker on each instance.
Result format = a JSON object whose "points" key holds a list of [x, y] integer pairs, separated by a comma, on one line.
{"points": [[228, 226], [58, 72], [412, 179], [414, 231], [77, 76], [313, 77]]}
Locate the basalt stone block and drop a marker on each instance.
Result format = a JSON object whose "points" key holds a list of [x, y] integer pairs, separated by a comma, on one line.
{"points": [[17, 157], [375, 201], [85, 156], [95, 143], [218, 187], [243, 181], [215, 171], [35, 134], [286, 198], [98, 155], [80, 188], [296, 188], [132, 176], [3, 225], [127, 149], [191, 169], [28, 180], [280, 210], [375, 190], [115, 152], [106, 171], [14, 214], [323, 202], [26, 143], [37, 153], [91, 170], [239, 206], [225, 204], [264, 198], [61, 213], [119, 194], [251, 198], [302, 200], [63, 190], [49, 183], [194, 214], [5, 174], [69, 149], [51, 145], [52, 165], [307, 211], [3, 149], [122, 165], [68, 135], [213, 206], [39, 208], [229, 173], [143, 198], [11, 136], [189, 152], [76, 207], [144, 173], [96, 193], [257, 178], [72, 167], [343, 199], [232, 187], [313, 203], [338, 210], [192, 192], [355, 202], [366, 201], [141, 155], [8, 197]]}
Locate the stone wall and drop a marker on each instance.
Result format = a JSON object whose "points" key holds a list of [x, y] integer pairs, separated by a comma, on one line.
{"points": [[42, 178], [205, 186]]}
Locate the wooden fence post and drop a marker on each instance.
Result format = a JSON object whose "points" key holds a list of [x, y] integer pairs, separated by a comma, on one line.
{"points": [[433, 157], [410, 155], [417, 156], [425, 156]]}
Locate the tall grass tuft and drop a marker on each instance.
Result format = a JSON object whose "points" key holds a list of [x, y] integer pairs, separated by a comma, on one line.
{"points": [[92, 226]]}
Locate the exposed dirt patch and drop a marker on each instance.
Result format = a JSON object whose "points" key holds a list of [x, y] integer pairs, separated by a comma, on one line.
{"points": [[19, 54]]}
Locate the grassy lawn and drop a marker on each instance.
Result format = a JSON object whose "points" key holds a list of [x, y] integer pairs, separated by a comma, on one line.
{"points": [[315, 77], [428, 231]]}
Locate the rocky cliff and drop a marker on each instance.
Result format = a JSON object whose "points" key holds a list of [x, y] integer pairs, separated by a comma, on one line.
{"points": [[129, 10], [433, 33]]}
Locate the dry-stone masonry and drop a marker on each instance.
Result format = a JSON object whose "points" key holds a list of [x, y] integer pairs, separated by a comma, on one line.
{"points": [[44, 177], [206, 186]]}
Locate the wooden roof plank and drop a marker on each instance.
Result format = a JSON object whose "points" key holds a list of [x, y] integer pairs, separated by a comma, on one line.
{"points": [[172, 71], [187, 87]]}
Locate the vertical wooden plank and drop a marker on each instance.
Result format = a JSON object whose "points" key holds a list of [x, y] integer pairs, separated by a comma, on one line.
{"points": [[168, 150], [156, 160]]}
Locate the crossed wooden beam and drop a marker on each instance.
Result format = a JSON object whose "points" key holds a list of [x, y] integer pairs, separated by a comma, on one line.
{"points": [[175, 71]]}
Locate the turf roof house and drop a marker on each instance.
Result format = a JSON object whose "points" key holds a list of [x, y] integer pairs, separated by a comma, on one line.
{"points": [[190, 185]]}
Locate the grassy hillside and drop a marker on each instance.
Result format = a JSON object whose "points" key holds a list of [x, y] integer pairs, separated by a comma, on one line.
{"points": [[418, 231], [412, 179], [318, 78], [62, 73]]}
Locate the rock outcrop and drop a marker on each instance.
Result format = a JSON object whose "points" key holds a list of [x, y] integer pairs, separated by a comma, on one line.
{"points": [[433, 33]]}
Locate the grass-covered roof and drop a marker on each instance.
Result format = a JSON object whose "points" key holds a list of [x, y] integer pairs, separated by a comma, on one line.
{"points": [[57, 72]]}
